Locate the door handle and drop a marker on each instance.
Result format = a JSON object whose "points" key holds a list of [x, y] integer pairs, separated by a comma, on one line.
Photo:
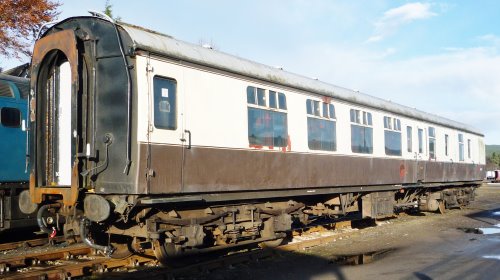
{"points": [[189, 138]]}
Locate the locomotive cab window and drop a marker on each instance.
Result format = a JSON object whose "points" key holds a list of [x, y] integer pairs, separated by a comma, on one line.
{"points": [[10, 117], [392, 135], [321, 126], [165, 99], [361, 132], [267, 122]]}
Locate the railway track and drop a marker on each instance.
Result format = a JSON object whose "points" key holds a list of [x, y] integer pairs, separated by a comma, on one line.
{"points": [[71, 269], [70, 262], [31, 260], [29, 243], [63, 262], [302, 239]]}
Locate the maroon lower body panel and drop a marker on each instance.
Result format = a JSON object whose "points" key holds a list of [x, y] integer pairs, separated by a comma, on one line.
{"points": [[206, 170]]}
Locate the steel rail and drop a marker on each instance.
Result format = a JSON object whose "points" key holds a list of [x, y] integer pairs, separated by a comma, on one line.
{"points": [[29, 243]]}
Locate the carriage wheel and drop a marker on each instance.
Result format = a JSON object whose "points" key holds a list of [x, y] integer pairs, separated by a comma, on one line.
{"points": [[122, 250], [271, 243], [165, 251], [442, 207]]}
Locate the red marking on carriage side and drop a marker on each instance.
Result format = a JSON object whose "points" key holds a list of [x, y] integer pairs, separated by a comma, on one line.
{"points": [[327, 99], [256, 146], [271, 147], [402, 171], [289, 145]]}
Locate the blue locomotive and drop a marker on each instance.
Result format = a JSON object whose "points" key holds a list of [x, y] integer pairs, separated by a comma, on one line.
{"points": [[14, 168]]}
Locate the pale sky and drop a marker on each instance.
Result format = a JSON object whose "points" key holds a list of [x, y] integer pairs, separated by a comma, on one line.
{"points": [[441, 57]]}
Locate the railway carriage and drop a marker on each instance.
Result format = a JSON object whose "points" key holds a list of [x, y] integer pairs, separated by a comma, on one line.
{"points": [[140, 140], [14, 168]]}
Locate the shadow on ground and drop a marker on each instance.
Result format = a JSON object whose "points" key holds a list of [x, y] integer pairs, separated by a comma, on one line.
{"points": [[276, 265]]}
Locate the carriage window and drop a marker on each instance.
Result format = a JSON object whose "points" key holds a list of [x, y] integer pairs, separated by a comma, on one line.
{"points": [[325, 110], [272, 100], [446, 144], [468, 148], [165, 109], [392, 135], [321, 128], [387, 123], [355, 116], [313, 107], [267, 127], [461, 147], [279, 102], [282, 101], [256, 96], [361, 133], [6, 89], [10, 117], [432, 143], [420, 141], [409, 138], [432, 132], [332, 111], [367, 118], [251, 95]]}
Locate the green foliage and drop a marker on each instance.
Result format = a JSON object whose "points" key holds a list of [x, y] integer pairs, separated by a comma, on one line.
{"points": [[492, 157], [495, 158], [108, 10], [492, 148]]}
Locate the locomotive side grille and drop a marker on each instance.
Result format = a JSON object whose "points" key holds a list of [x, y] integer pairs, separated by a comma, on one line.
{"points": [[5, 90]]}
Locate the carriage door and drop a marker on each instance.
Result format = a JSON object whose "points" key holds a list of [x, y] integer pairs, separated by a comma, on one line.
{"points": [[167, 130], [420, 158]]}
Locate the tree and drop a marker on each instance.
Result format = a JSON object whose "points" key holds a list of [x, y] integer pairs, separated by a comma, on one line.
{"points": [[495, 159], [108, 10], [20, 21]]}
